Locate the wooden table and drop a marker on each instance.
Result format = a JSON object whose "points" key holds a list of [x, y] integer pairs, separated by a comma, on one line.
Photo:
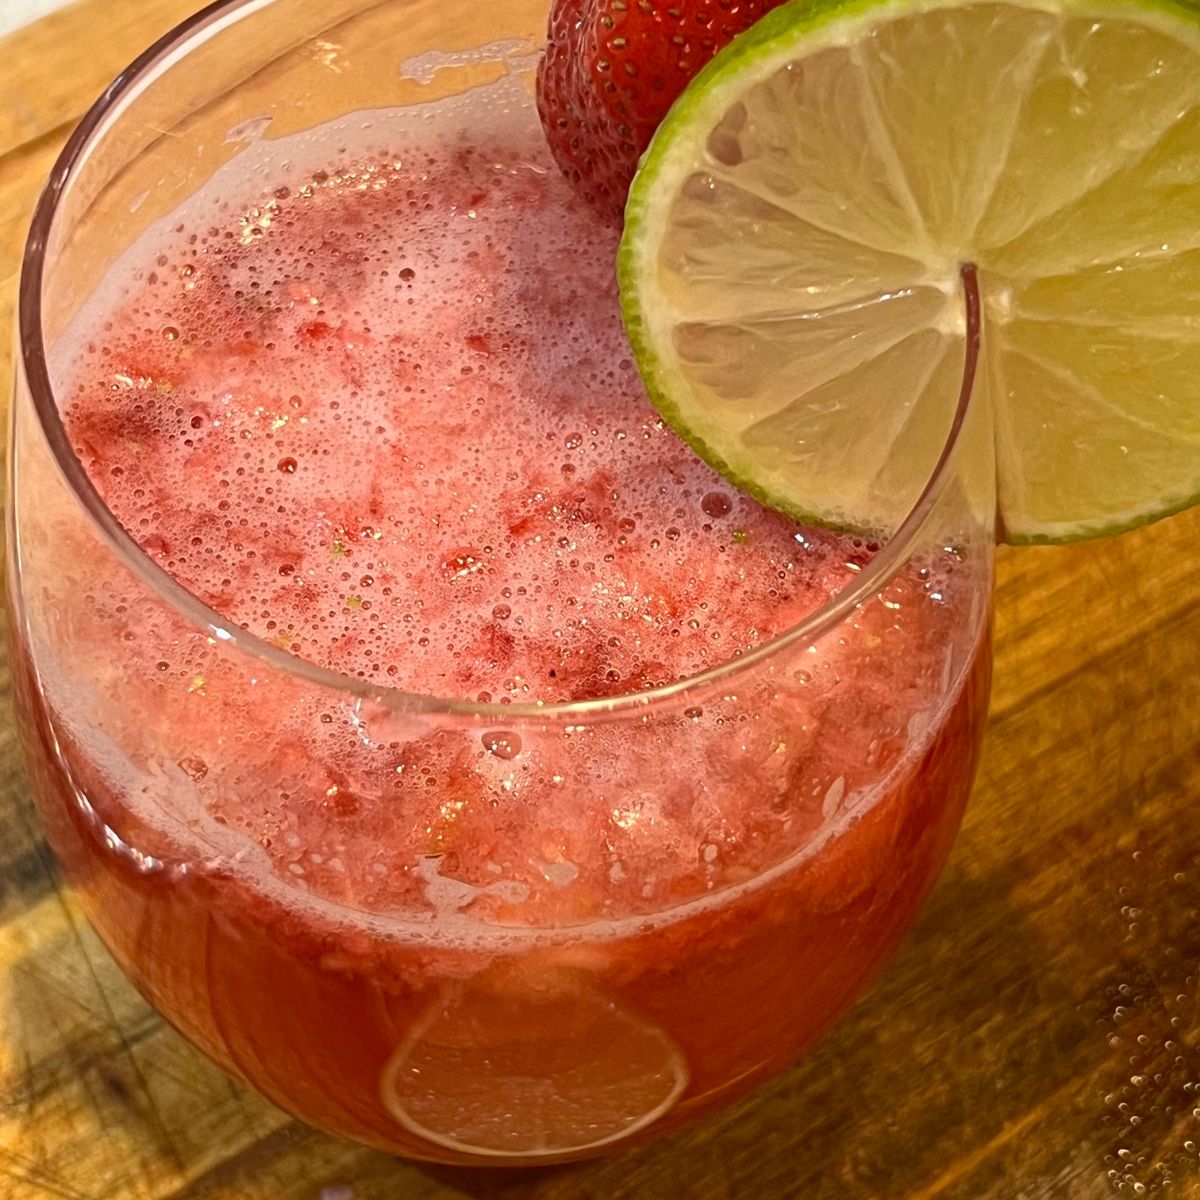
{"points": [[1037, 1037]]}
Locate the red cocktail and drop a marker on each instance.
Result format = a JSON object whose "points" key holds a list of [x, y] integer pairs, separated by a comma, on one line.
{"points": [[434, 739]]}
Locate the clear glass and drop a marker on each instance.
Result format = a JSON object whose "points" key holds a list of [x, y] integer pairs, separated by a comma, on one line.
{"points": [[477, 1025]]}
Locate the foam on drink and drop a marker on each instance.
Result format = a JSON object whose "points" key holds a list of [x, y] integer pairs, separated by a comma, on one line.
{"points": [[383, 415], [388, 419]]}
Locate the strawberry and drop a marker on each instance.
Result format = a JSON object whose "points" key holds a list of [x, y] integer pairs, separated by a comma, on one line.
{"points": [[611, 70]]}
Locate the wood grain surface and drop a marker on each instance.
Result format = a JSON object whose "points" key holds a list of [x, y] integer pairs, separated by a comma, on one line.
{"points": [[1036, 1038]]}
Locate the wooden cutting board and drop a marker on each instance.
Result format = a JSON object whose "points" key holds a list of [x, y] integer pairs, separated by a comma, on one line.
{"points": [[1037, 1037]]}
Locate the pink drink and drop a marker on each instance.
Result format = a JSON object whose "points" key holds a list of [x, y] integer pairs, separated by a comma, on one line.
{"points": [[383, 416]]}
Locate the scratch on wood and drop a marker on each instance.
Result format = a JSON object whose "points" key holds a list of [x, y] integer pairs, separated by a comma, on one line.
{"points": [[161, 1132], [38, 1177], [251, 1159], [964, 1167], [25, 149]]}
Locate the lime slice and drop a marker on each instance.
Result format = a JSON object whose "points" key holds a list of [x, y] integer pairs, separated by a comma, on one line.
{"points": [[790, 270], [531, 1069]]}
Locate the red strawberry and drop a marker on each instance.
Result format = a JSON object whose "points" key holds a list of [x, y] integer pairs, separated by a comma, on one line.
{"points": [[612, 69]]}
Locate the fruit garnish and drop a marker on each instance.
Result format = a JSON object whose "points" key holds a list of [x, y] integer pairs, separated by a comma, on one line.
{"points": [[796, 238], [611, 70]]}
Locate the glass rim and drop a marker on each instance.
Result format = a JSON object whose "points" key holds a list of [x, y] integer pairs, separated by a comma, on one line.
{"points": [[105, 112]]}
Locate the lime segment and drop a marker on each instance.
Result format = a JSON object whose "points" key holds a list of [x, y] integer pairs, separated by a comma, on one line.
{"points": [[532, 1068], [794, 238]]}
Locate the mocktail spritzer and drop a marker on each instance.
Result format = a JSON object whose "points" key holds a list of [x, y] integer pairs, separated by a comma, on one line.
{"points": [[486, 820]]}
